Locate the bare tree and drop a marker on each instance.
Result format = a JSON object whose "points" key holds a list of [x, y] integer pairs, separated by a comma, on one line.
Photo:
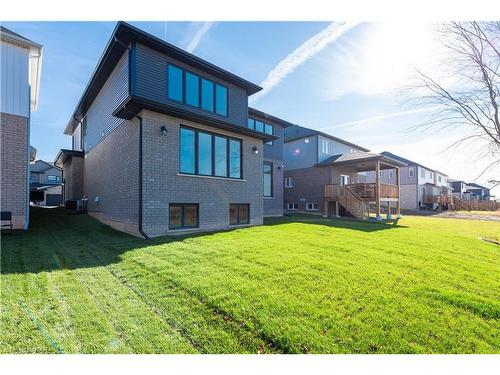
{"points": [[473, 98]]}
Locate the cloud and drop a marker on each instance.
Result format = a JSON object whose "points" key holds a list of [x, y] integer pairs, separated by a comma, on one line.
{"points": [[307, 50], [380, 117], [198, 36]]}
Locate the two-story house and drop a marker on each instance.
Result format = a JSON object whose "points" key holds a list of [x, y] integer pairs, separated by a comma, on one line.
{"points": [[45, 184], [327, 175], [20, 68], [162, 143], [470, 191], [421, 186], [273, 169]]}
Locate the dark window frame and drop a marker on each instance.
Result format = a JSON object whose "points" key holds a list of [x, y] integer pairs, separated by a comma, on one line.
{"points": [[200, 79], [183, 84], [196, 154], [264, 124], [238, 213], [272, 175], [182, 206]]}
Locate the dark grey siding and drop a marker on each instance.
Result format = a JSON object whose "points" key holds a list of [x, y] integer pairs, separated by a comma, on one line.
{"points": [[151, 83], [100, 121], [301, 153]]}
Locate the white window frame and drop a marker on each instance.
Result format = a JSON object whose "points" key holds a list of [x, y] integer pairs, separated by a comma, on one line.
{"points": [[391, 174], [312, 205], [294, 206], [411, 172], [288, 182], [432, 175]]}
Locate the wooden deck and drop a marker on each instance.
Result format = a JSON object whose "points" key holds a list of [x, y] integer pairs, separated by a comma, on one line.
{"points": [[365, 191]]}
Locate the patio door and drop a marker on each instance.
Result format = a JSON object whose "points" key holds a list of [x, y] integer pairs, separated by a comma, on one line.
{"points": [[345, 180]]}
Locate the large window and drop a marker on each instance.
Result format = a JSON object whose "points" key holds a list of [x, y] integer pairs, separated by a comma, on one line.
{"points": [[187, 151], [175, 83], [221, 100], [208, 154], [51, 178], [192, 89], [189, 88], [207, 95], [268, 179], [183, 215], [239, 213], [261, 127]]}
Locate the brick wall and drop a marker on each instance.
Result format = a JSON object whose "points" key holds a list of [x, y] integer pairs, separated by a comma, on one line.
{"points": [[73, 178], [14, 159], [309, 184], [111, 174], [163, 184]]}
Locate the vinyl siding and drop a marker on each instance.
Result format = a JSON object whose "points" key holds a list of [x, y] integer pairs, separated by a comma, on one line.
{"points": [[100, 121], [150, 82], [299, 154], [14, 80]]}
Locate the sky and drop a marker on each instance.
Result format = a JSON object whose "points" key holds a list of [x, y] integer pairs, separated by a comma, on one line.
{"points": [[345, 79]]}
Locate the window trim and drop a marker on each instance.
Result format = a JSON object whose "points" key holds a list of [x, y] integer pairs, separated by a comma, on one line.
{"points": [[293, 206], [238, 214], [411, 172], [182, 205], [196, 153], [272, 179], [312, 209], [200, 79], [291, 185]]}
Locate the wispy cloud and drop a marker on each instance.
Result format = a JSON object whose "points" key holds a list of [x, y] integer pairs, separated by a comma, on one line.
{"points": [[381, 117], [198, 36], [303, 53]]}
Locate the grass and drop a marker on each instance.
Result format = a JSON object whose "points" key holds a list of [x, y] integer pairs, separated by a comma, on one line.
{"points": [[480, 213], [300, 285]]}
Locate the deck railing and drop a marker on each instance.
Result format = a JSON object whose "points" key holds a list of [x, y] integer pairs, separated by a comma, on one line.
{"points": [[369, 190], [439, 199]]}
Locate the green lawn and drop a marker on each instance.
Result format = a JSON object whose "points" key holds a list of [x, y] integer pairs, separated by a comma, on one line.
{"points": [[426, 285]]}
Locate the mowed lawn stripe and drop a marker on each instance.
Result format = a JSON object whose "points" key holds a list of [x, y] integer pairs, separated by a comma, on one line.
{"points": [[304, 284]]}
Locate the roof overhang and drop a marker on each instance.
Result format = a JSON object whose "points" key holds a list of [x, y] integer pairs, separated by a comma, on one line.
{"points": [[63, 155], [35, 62], [134, 105], [366, 163], [123, 36], [267, 116]]}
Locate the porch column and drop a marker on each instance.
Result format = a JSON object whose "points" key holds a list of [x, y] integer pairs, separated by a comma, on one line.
{"points": [[398, 203], [337, 208], [325, 213], [377, 188], [389, 215]]}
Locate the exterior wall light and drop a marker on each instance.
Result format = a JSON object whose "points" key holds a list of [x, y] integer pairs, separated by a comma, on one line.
{"points": [[255, 150], [164, 130]]}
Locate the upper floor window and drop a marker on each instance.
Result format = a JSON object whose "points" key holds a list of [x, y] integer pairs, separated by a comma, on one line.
{"points": [[189, 88], [411, 172], [288, 182], [440, 179], [391, 174], [51, 178], [324, 146], [175, 83], [432, 175], [262, 127], [268, 179], [207, 154]]}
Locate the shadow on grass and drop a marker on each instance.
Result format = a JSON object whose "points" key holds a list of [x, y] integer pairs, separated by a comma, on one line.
{"points": [[57, 240], [343, 222]]}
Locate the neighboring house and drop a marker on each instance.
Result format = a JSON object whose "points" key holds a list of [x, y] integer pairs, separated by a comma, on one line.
{"points": [[45, 184], [161, 142], [273, 159], [326, 174], [470, 191], [421, 187], [20, 62]]}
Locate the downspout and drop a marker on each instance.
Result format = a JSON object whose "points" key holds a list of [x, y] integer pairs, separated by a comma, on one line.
{"points": [[141, 231], [27, 221]]}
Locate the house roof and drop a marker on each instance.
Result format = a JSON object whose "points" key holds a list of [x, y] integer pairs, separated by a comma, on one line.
{"points": [[267, 116], [64, 155], [298, 132], [410, 162], [39, 166], [35, 56], [360, 158], [122, 36], [476, 186]]}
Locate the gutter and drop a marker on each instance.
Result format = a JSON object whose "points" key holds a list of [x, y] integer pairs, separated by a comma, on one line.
{"points": [[141, 231]]}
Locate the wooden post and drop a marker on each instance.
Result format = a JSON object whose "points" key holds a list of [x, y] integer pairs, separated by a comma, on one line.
{"points": [[398, 203], [389, 216], [377, 184]]}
